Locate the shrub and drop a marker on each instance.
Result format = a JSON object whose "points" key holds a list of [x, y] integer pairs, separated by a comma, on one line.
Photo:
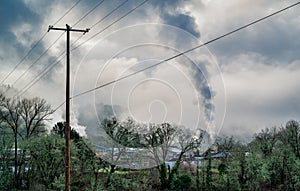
{"points": [[183, 182]]}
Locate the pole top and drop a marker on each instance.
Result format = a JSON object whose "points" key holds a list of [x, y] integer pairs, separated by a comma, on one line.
{"points": [[50, 27]]}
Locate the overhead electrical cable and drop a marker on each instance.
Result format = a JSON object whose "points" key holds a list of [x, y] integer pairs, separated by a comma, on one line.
{"points": [[24, 57], [89, 12], [35, 44], [55, 43], [74, 5], [49, 67], [102, 19], [184, 52], [33, 63], [104, 29], [108, 14], [39, 77]]}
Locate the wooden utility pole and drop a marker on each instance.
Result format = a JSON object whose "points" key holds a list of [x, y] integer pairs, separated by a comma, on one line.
{"points": [[67, 130]]}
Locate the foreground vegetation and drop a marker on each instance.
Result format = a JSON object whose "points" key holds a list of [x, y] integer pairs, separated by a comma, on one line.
{"points": [[33, 159]]}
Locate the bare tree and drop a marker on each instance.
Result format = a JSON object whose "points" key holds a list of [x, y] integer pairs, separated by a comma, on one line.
{"points": [[118, 139], [26, 119], [34, 112], [226, 144], [187, 142], [10, 115], [158, 140]]}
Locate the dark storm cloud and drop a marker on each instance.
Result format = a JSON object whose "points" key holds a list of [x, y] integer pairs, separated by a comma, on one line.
{"points": [[15, 12], [170, 15], [13, 15], [182, 21], [200, 77]]}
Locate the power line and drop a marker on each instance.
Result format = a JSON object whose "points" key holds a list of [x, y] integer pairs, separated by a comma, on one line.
{"points": [[37, 78], [83, 17], [107, 15], [37, 59], [75, 4], [123, 16], [59, 106], [21, 61], [43, 36], [89, 12], [182, 53], [56, 41]]}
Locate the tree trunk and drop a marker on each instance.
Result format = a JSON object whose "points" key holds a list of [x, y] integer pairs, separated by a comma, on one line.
{"points": [[175, 169], [16, 161], [111, 171], [162, 169]]}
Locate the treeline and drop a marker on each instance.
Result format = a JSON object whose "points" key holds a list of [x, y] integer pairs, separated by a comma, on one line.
{"points": [[32, 158], [270, 162]]}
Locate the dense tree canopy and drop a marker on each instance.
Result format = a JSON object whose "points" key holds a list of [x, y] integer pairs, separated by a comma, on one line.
{"points": [[32, 158]]}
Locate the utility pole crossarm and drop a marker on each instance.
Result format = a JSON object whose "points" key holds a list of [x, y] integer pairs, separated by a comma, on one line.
{"points": [[68, 29]]}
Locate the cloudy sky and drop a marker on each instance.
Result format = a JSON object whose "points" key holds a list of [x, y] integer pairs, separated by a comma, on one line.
{"points": [[236, 85]]}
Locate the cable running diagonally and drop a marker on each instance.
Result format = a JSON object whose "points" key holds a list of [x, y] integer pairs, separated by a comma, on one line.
{"points": [[33, 47], [39, 77], [102, 19], [75, 4], [89, 12], [49, 67], [108, 14], [184, 52], [101, 31], [37, 59], [44, 53]]}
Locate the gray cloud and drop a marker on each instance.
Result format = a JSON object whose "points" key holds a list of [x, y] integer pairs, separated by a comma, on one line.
{"points": [[274, 40], [259, 64], [14, 15], [182, 21]]}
